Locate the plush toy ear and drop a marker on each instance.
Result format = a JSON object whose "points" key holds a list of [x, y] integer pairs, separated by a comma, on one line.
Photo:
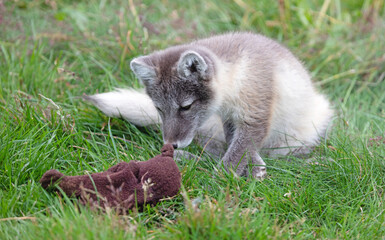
{"points": [[167, 150], [143, 70], [191, 62]]}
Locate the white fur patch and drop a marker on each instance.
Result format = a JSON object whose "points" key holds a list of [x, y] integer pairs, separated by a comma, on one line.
{"points": [[300, 115], [132, 105]]}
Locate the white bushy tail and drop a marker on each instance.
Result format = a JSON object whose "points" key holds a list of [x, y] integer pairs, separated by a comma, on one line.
{"points": [[132, 105]]}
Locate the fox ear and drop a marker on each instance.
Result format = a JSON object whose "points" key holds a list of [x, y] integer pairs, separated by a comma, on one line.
{"points": [[143, 70], [190, 63]]}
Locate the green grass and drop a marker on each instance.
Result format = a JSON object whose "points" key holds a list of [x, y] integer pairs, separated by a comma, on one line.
{"points": [[52, 52]]}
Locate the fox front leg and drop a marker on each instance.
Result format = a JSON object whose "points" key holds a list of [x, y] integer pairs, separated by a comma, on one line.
{"points": [[243, 146]]}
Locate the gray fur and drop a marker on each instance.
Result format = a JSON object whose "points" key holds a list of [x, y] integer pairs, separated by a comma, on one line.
{"points": [[175, 85]]}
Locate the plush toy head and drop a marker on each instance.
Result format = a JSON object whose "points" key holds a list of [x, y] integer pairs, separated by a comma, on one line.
{"points": [[123, 186]]}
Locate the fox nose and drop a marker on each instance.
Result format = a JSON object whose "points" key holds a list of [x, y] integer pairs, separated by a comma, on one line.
{"points": [[175, 145]]}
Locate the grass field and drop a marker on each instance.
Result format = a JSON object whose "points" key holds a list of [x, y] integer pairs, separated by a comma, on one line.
{"points": [[52, 52]]}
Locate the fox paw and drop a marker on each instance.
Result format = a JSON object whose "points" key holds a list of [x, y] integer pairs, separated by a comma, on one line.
{"points": [[259, 172], [50, 177]]}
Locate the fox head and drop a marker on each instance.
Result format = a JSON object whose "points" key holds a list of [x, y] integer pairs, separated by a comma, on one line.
{"points": [[178, 81]]}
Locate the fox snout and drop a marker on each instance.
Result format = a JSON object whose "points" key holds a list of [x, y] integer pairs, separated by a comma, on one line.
{"points": [[179, 143], [178, 137]]}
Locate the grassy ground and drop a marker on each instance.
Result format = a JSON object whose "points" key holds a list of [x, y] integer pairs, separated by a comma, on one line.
{"points": [[51, 52]]}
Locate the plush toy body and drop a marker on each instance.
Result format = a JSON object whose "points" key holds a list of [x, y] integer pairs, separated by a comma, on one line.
{"points": [[125, 185]]}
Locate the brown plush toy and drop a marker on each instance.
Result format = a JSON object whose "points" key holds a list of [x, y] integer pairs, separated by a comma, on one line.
{"points": [[125, 185]]}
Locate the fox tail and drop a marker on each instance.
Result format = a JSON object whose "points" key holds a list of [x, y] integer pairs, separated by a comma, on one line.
{"points": [[132, 105]]}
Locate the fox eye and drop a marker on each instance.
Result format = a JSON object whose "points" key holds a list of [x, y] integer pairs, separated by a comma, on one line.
{"points": [[185, 108]]}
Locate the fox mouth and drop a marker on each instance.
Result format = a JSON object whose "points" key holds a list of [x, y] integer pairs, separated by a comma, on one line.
{"points": [[184, 143], [181, 143]]}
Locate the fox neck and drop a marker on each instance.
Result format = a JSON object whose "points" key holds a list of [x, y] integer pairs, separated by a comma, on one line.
{"points": [[226, 89]]}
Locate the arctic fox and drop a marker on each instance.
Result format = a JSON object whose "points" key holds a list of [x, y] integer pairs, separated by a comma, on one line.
{"points": [[244, 88]]}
